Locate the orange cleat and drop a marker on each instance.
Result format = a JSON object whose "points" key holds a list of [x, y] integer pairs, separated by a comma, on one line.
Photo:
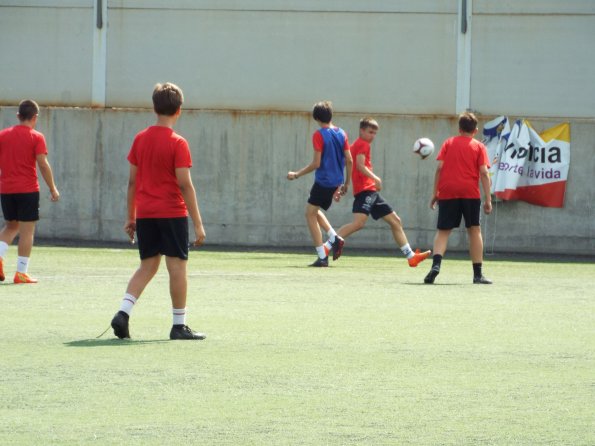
{"points": [[418, 257], [23, 278], [1, 271]]}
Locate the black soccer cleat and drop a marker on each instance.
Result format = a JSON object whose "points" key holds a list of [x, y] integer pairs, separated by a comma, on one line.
{"points": [[320, 262], [482, 280], [185, 332], [338, 247], [120, 325], [431, 275]]}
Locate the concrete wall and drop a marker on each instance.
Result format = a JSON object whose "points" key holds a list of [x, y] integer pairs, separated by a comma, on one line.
{"points": [[240, 163]]}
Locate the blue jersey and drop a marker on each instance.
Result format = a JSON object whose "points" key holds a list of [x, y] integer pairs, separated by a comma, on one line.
{"points": [[332, 162]]}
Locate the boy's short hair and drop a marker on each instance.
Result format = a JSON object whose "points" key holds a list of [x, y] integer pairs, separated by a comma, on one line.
{"points": [[467, 122], [368, 122], [323, 112], [27, 110], [167, 99]]}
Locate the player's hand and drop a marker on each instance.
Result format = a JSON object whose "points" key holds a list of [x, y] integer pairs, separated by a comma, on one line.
{"points": [[200, 235], [55, 195], [337, 195], [292, 175], [378, 183], [433, 202], [487, 207], [130, 229], [344, 188]]}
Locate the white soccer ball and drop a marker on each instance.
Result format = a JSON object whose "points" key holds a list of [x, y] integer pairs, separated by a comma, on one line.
{"points": [[424, 147]]}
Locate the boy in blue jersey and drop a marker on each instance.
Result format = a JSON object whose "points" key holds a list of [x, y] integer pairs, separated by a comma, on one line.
{"points": [[331, 159]]}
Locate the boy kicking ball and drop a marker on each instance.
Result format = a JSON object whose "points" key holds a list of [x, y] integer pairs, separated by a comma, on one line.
{"points": [[160, 198], [368, 201]]}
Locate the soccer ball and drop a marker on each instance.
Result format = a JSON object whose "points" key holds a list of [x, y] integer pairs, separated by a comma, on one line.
{"points": [[424, 147]]}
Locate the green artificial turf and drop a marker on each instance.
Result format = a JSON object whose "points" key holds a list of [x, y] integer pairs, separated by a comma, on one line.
{"points": [[358, 353]]}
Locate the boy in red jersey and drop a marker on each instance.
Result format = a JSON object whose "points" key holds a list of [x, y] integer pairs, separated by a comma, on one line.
{"points": [[366, 185], [21, 149], [331, 159], [462, 163], [160, 198]]}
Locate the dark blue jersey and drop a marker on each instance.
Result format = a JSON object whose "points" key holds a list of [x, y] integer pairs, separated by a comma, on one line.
{"points": [[332, 162]]}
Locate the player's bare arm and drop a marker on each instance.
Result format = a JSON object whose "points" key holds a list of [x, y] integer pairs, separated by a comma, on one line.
{"points": [[348, 170], [360, 165], [130, 226], [48, 176], [486, 183], [315, 164], [189, 194], [436, 179]]}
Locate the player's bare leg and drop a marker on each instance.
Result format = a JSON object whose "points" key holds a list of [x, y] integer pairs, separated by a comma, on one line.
{"points": [[143, 275], [7, 235], [313, 214], [26, 235], [476, 254], [359, 221], [178, 289], [178, 281], [323, 222], [440, 244], [396, 227]]}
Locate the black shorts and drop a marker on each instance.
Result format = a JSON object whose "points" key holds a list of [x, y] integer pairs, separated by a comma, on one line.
{"points": [[167, 236], [20, 207], [371, 203], [321, 196], [451, 211]]}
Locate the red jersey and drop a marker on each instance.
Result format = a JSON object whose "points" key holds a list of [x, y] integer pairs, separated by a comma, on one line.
{"points": [[360, 181], [157, 152], [462, 157], [19, 147]]}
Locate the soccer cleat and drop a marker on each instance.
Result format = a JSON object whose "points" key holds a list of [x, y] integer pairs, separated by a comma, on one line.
{"points": [[23, 278], [120, 325], [338, 247], [483, 280], [418, 257], [320, 262], [431, 275], [185, 332], [1, 271]]}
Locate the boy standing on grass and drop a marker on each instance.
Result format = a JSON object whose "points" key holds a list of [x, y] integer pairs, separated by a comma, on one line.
{"points": [[366, 185], [331, 158], [462, 163], [160, 197], [21, 149]]}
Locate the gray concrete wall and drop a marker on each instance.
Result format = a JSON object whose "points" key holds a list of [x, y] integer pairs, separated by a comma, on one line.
{"points": [[240, 163]]}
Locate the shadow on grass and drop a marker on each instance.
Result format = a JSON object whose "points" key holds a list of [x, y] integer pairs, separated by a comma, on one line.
{"points": [[112, 342]]}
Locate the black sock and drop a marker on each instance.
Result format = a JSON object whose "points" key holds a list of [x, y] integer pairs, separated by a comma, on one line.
{"points": [[436, 262], [477, 270]]}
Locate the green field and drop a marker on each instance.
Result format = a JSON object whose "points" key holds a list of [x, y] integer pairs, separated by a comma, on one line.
{"points": [[359, 353]]}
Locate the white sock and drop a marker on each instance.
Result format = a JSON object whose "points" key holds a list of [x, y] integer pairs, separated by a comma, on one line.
{"points": [[3, 249], [320, 251], [331, 235], [328, 245], [179, 315], [128, 303], [22, 264], [406, 250]]}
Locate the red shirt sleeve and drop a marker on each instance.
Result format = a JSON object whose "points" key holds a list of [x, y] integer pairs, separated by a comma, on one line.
{"points": [[317, 141], [182, 157], [132, 159], [40, 146]]}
